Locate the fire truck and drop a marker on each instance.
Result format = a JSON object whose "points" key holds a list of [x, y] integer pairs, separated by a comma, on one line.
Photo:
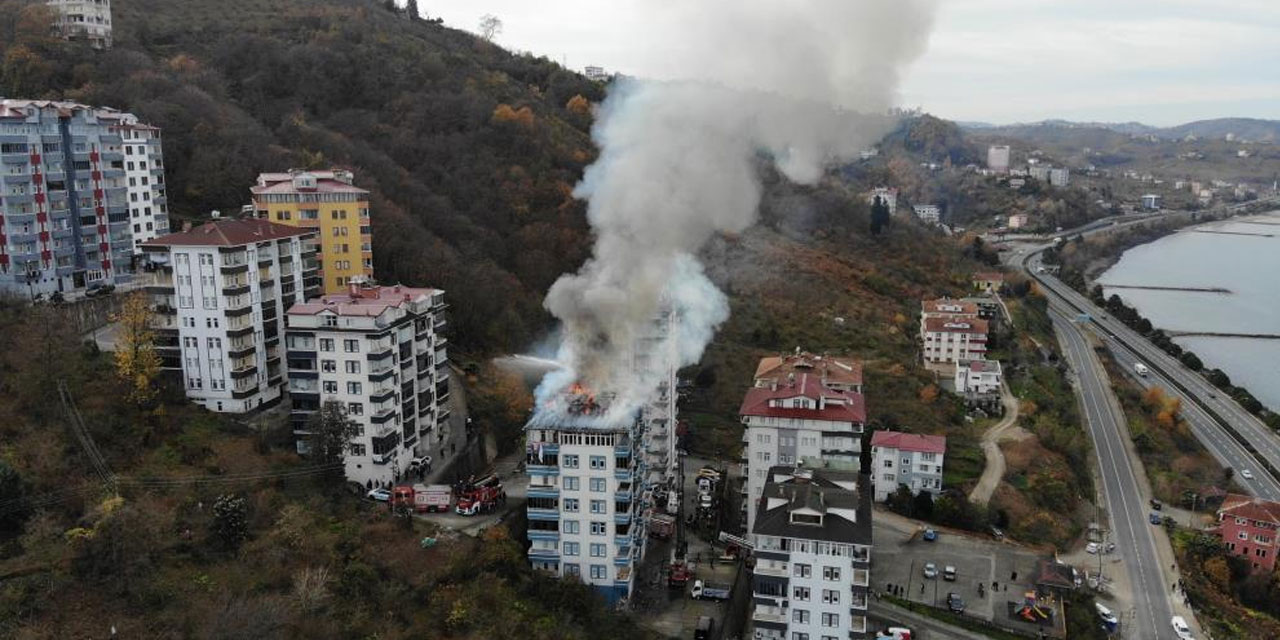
{"points": [[481, 495]]}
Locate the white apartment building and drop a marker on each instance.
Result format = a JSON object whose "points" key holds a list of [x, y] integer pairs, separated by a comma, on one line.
{"points": [[144, 172], [595, 73], [1060, 177], [950, 340], [220, 291], [998, 158], [948, 308], [651, 359], [84, 20], [928, 213], [812, 539], [906, 459], [1151, 202], [888, 196], [976, 378], [379, 352], [795, 418], [1019, 220], [585, 477]]}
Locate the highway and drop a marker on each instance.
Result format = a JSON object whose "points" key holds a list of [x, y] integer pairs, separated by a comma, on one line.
{"points": [[1133, 535]]}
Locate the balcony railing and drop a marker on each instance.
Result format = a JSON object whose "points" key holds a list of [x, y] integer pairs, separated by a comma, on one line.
{"points": [[766, 613]]}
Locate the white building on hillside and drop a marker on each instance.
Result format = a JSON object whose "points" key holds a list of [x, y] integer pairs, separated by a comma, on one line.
{"points": [[812, 539], [998, 158], [221, 291], [975, 378], [952, 340], [144, 171], [928, 213], [906, 460], [1060, 177], [378, 351], [84, 20]]}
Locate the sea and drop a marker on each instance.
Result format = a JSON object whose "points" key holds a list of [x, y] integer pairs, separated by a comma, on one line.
{"points": [[1241, 255]]}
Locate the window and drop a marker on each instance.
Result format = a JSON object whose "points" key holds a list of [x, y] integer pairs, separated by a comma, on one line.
{"points": [[597, 506], [800, 616], [329, 321], [571, 505], [328, 366], [211, 323], [571, 483], [326, 344], [830, 619], [797, 635], [597, 528], [354, 388], [355, 408], [569, 526], [215, 343], [831, 573], [569, 462], [571, 569], [801, 570], [597, 462], [330, 386], [597, 550], [888, 464], [800, 593], [830, 596], [571, 548], [351, 346], [597, 571], [353, 366], [597, 484]]}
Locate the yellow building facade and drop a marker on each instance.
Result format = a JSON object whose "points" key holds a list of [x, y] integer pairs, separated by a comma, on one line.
{"points": [[329, 202]]}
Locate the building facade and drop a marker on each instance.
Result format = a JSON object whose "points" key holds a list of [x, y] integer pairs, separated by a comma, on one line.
{"points": [[585, 485], [928, 213], [144, 173], [378, 351], [976, 378], [64, 197], [330, 203], [220, 292], [906, 460], [1060, 177], [1151, 202], [998, 158], [794, 418], [88, 20], [951, 340], [812, 547], [1248, 527]]}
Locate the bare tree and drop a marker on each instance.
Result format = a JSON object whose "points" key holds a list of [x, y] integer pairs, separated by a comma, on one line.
{"points": [[490, 26]]}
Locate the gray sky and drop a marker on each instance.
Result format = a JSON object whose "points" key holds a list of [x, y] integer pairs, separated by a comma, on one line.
{"points": [[1162, 62]]}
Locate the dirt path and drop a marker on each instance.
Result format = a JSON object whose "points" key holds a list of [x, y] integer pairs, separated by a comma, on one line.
{"points": [[1006, 429]]}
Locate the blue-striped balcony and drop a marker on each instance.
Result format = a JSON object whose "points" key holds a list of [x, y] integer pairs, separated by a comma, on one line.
{"points": [[538, 534], [543, 514], [542, 469], [622, 518], [547, 554], [536, 491], [624, 474]]}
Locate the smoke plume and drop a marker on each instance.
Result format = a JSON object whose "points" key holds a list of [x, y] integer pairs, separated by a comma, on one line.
{"points": [[797, 83]]}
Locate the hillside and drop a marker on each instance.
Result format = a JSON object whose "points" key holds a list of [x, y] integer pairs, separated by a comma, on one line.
{"points": [[1253, 129]]}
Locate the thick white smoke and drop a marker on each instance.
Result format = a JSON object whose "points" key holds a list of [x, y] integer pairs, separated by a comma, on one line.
{"points": [[799, 83]]}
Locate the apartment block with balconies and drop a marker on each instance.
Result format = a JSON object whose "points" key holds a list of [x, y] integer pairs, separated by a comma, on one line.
{"points": [[379, 352], [217, 293], [88, 20], [812, 540]]}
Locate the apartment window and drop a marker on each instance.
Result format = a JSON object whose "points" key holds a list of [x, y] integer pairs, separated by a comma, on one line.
{"points": [[191, 342], [353, 388], [355, 409], [186, 302], [211, 323], [571, 505], [800, 616], [326, 344], [283, 215], [798, 635], [328, 366], [571, 569], [830, 596], [801, 570], [353, 366], [351, 346], [211, 302], [206, 259], [597, 462], [800, 593], [570, 483], [597, 550], [569, 526], [571, 548], [831, 573], [358, 450], [329, 321], [597, 484], [597, 528], [330, 386], [214, 343], [569, 462], [597, 506], [195, 383], [888, 464], [830, 619]]}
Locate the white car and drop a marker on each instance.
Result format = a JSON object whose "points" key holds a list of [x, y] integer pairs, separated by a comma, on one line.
{"points": [[1246, 474], [1106, 614], [1180, 627], [1091, 548], [381, 495], [930, 570], [420, 462]]}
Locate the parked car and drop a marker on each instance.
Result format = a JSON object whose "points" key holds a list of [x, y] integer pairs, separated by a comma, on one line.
{"points": [[1109, 619], [99, 289], [1155, 518], [955, 603], [1246, 474], [1091, 548], [949, 573], [421, 462], [379, 494], [930, 535], [930, 570], [1156, 504], [703, 630], [997, 533], [1180, 627]]}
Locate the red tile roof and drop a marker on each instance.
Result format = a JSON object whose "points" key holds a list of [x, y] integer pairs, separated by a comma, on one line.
{"points": [[371, 301], [838, 406], [955, 325], [909, 442], [1238, 506], [230, 232], [843, 371], [958, 307], [989, 276]]}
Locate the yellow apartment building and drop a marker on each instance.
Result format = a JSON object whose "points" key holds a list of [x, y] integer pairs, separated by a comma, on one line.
{"points": [[329, 202]]}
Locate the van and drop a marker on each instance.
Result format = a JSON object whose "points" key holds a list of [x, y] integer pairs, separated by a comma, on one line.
{"points": [[703, 630], [1141, 369]]}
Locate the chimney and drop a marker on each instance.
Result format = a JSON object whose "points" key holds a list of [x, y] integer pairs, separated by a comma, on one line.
{"points": [[186, 225], [353, 287]]}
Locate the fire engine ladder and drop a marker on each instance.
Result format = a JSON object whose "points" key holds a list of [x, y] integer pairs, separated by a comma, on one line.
{"points": [[729, 538]]}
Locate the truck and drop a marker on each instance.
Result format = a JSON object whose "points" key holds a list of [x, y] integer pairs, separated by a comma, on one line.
{"points": [[433, 498], [708, 591], [679, 575], [662, 526], [479, 495], [1141, 369]]}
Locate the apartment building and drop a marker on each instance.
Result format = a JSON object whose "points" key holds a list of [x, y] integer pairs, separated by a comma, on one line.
{"points": [[1248, 527], [928, 213], [988, 281], [798, 419], [330, 203], [586, 476], [88, 20], [220, 292], [812, 539], [998, 158], [906, 459], [378, 351], [144, 174], [651, 359], [977, 378], [951, 340]]}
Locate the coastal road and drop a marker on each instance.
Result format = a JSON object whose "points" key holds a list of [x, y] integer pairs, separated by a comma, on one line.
{"points": [[1133, 535]]}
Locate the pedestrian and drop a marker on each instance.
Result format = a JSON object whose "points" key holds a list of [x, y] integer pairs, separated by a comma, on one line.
{"points": [[1013, 577]]}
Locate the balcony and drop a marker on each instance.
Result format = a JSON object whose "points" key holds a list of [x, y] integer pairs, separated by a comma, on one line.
{"points": [[768, 614], [774, 568]]}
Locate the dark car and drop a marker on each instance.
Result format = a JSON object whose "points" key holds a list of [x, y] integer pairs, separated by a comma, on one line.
{"points": [[1155, 518], [955, 603], [99, 289], [1156, 504], [930, 535]]}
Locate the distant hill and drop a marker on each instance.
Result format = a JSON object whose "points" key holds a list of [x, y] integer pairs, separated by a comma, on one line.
{"points": [[1253, 129], [1244, 128]]}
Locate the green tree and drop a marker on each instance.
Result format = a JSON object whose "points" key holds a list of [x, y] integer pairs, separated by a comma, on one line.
{"points": [[879, 215], [411, 8], [331, 433], [230, 524], [1192, 361]]}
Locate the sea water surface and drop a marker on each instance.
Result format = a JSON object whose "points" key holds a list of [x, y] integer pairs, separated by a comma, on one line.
{"points": [[1241, 255]]}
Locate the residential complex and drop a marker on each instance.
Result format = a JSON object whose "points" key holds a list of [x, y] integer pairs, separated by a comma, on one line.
{"points": [[794, 416], [812, 545], [1249, 527], [69, 181], [220, 292], [908, 460], [928, 213], [330, 203], [378, 351], [998, 158], [84, 20]]}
